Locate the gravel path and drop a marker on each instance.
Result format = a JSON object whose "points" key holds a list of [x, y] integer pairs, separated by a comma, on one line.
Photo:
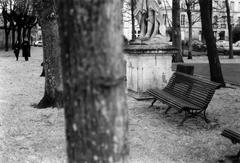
{"points": [[29, 135]]}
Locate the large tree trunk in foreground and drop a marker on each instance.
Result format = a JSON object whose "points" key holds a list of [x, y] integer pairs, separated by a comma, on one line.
{"points": [[51, 55], [229, 30], [93, 75], [176, 33], [214, 63]]}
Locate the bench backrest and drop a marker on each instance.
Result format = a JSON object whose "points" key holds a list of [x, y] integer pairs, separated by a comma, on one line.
{"points": [[195, 90]]}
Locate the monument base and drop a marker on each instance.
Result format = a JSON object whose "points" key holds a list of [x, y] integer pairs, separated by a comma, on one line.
{"points": [[140, 96], [147, 67]]}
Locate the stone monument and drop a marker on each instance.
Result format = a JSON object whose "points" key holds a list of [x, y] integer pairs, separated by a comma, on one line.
{"points": [[149, 16], [149, 57]]}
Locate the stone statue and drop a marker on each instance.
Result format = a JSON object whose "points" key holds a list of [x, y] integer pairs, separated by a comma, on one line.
{"points": [[148, 14]]}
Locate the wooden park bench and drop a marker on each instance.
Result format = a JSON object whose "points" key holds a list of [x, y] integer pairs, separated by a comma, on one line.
{"points": [[235, 138], [187, 93]]}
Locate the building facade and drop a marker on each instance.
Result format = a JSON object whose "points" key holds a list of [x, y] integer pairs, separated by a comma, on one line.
{"points": [[219, 19]]}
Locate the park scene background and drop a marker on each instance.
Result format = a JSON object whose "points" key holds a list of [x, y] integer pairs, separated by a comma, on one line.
{"points": [[37, 127], [33, 135]]}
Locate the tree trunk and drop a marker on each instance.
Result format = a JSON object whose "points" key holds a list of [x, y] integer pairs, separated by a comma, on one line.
{"points": [[24, 33], [189, 15], [133, 21], [29, 36], [7, 31], [93, 73], [51, 55], [210, 4], [176, 34], [19, 34], [13, 36], [214, 63], [229, 30]]}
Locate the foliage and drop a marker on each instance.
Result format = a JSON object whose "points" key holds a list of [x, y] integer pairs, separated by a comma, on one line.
{"points": [[18, 15]]}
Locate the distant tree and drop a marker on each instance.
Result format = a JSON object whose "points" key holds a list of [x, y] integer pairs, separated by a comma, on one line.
{"points": [[93, 75], [51, 53], [207, 28], [6, 25], [18, 16], [133, 19], [229, 30], [193, 17], [128, 15], [176, 30]]}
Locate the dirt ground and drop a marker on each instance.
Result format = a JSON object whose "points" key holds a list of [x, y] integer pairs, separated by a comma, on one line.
{"points": [[28, 135]]}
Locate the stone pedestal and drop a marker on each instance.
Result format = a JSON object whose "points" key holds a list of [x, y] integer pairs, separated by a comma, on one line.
{"points": [[147, 67]]}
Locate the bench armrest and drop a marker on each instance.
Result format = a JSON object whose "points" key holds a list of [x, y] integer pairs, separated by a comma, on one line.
{"points": [[232, 135]]}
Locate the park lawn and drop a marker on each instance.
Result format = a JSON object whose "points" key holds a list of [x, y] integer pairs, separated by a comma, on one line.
{"points": [[31, 135]]}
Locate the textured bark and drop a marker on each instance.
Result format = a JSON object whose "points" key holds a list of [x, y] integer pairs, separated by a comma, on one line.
{"points": [[13, 36], [19, 34], [133, 20], [176, 33], [7, 29], [190, 23], [214, 63], [229, 30], [51, 55], [93, 75]]}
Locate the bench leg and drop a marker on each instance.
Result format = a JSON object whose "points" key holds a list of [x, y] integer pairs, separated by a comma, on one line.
{"points": [[205, 118], [152, 103], [169, 107], [234, 158], [184, 119]]}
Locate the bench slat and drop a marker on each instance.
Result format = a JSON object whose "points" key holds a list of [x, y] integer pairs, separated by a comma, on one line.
{"points": [[186, 92]]}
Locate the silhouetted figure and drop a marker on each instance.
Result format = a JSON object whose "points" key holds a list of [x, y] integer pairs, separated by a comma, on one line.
{"points": [[17, 49], [26, 49], [43, 72]]}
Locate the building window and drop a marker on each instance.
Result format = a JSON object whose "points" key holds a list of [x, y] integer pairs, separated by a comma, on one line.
{"points": [[193, 6], [223, 26], [232, 5], [215, 34], [165, 19], [182, 19], [224, 18], [216, 4], [215, 20], [232, 19], [182, 6], [223, 4]]}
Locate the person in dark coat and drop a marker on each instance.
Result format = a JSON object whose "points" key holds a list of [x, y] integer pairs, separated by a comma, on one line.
{"points": [[17, 49], [26, 49], [43, 72]]}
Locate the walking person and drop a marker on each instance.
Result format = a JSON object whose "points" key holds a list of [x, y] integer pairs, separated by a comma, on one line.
{"points": [[17, 49], [26, 49]]}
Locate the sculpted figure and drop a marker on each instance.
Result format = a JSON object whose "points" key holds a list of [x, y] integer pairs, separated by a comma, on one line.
{"points": [[147, 12]]}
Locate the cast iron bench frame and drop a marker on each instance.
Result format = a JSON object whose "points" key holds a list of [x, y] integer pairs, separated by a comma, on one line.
{"points": [[187, 93], [235, 138]]}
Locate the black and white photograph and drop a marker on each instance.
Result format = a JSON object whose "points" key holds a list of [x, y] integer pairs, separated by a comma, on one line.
{"points": [[119, 81]]}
